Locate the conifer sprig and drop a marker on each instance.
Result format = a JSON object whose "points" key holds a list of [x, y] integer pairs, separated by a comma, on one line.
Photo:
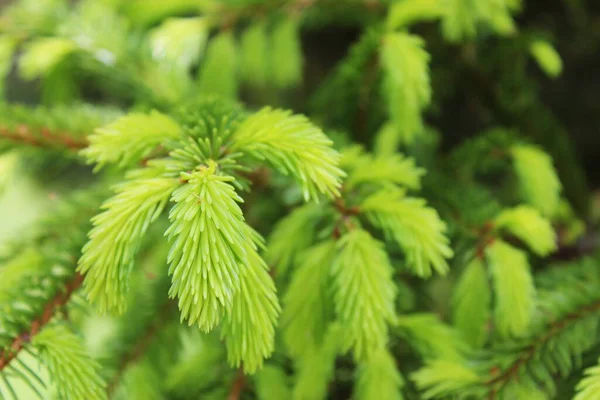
{"points": [[589, 386], [378, 376], [16, 344], [538, 179], [564, 327], [118, 232], [74, 373], [307, 302], [514, 289], [56, 128], [417, 229], [363, 292], [406, 84], [294, 146], [211, 246], [472, 301], [128, 140]]}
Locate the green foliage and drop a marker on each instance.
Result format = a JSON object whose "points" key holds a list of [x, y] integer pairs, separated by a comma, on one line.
{"points": [[146, 12], [513, 288], [72, 371], [378, 378], [416, 228], [442, 378], [179, 42], [272, 383], [363, 293], [307, 302], [57, 128], [344, 86], [472, 300], [316, 367], [406, 83], [406, 12], [462, 18], [547, 57], [286, 53], [563, 329], [589, 386], [7, 48], [43, 55], [118, 231], [282, 253], [293, 145], [141, 382], [130, 139], [8, 168], [139, 97], [198, 366], [254, 45], [97, 29], [429, 337], [207, 275], [528, 225], [385, 171], [32, 17], [249, 329], [539, 182], [219, 72]]}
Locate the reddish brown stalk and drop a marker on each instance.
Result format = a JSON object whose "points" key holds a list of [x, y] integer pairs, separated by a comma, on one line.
{"points": [[486, 239], [499, 381], [24, 134], [49, 310], [238, 386]]}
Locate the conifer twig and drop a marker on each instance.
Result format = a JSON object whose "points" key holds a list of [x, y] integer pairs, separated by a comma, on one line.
{"points": [[36, 326], [24, 134], [556, 327]]}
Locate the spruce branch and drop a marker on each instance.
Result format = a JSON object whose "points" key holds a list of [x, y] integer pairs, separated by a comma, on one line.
{"points": [[471, 303], [53, 128], [47, 138], [74, 372], [48, 312], [379, 377], [307, 301], [497, 382], [130, 140], [108, 257], [513, 287], [540, 185], [406, 85], [364, 292], [418, 229], [589, 387], [294, 146], [207, 276]]}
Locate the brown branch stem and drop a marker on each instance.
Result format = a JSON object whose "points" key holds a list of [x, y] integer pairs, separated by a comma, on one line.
{"points": [[47, 138], [238, 386]]}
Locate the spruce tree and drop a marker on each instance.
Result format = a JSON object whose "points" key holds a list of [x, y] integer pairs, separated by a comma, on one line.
{"points": [[227, 213]]}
